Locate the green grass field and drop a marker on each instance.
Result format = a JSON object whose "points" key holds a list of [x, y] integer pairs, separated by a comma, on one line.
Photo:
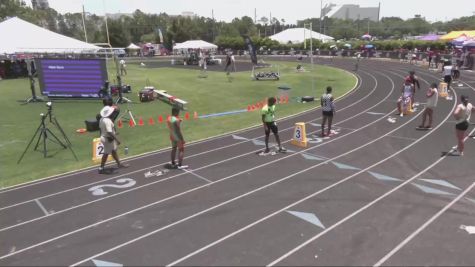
{"points": [[205, 95]]}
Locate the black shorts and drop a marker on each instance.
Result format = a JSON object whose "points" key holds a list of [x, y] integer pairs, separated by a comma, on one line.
{"points": [[271, 126], [327, 113], [463, 126], [447, 78]]}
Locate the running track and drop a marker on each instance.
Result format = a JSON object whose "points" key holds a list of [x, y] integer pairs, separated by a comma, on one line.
{"points": [[377, 193]]}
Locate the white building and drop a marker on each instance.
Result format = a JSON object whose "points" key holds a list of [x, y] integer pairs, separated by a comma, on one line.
{"points": [[351, 12], [299, 35]]}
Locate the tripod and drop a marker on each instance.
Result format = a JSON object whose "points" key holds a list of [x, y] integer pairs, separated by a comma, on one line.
{"points": [[45, 133], [127, 115]]}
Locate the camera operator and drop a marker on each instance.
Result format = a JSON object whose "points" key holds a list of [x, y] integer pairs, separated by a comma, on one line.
{"points": [[109, 138]]}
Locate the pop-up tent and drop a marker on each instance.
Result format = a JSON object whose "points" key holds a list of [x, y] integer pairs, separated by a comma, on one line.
{"points": [[299, 35], [19, 36], [454, 34], [133, 46], [195, 44]]}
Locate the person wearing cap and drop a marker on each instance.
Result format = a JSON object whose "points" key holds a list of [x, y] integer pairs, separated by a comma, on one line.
{"points": [[462, 114], [432, 99], [109, 138], [176, 138]]}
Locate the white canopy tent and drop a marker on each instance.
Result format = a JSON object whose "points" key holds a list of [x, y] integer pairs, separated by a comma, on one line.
{"points": [[19, 36], [133, 46], [299, 35], [195, 44]]}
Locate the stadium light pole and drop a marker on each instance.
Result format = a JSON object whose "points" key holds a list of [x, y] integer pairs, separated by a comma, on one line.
{"points": [[309, 25]]}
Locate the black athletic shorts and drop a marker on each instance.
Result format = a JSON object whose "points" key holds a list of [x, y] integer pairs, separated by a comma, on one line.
{"points": [[271, 126], [463, 126], [327, 113], [447, 78]]}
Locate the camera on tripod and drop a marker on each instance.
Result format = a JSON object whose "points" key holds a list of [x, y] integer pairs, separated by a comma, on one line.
{"points": [[43, 133]]}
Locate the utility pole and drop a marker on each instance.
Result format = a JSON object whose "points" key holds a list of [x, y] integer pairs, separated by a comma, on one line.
{"points": [[105, 18], [255, 15], [84, 23], [309, 25], [321, 14]]}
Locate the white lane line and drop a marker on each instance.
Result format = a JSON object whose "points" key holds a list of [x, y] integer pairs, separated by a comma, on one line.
{"points": [[422, 227], [209, 165], [244, 195], [41, 207], [185, 192], [355, 88], [197, 175], [190, 156], [402, 137], [369, 204], [301, 200]]}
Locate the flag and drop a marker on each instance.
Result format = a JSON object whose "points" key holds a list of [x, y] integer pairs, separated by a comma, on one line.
{"points": [[251, 48]]}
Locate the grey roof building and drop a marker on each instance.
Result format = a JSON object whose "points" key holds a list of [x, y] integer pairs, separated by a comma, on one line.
{"points": [[351, 12]]}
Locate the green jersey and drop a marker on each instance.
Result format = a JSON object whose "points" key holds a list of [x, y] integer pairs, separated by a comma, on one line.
{"points": [[268, 113]]}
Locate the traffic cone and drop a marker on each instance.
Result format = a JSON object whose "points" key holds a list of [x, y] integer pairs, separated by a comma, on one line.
{"points": [[168, 117], [160, 119], [151, 121], [187, 116], [253, 107], [249, 108], [131, 123], [119, 124], [195, 115], [140, 121], [286, 99]]}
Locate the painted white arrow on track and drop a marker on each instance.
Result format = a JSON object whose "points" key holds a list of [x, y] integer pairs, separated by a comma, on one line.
{"points": [[237, 137], [470, 229], [384, 177], [100, 263], [440, 182], [430, 190], [344, 166], [309, 217], [375, 113]]}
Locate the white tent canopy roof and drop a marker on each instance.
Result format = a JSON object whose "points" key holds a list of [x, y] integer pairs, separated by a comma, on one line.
{"points": [[133, 46], [298, 35], [195, 44], [21, 36]]}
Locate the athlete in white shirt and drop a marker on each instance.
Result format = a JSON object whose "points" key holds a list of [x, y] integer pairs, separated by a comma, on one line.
{"points": [[462, 114], [432, 99]]}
